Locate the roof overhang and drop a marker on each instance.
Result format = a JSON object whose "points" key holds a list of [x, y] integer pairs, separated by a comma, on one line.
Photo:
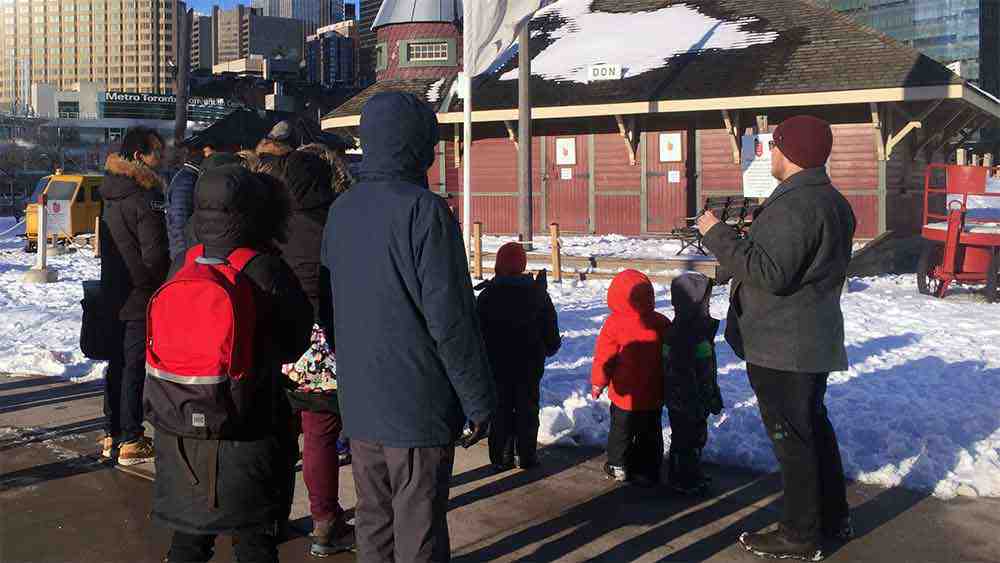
{"points": [[965, 92]]}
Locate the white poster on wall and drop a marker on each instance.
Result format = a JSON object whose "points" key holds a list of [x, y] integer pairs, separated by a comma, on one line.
{"points": [[565, 173], [674, 177], [670, 147], [756, 166], [566, 151]]}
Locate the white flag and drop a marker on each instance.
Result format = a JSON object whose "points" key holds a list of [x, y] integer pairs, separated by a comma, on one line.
{"points": [[492, 27]]}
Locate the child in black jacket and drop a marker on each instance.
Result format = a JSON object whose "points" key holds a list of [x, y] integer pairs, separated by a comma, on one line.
{"points": [[520, 329], [691, 388]]}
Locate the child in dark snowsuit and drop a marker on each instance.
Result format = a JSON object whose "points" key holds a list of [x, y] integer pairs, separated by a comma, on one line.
{"points": [[520, 329], [691, 390], [628, 361]]}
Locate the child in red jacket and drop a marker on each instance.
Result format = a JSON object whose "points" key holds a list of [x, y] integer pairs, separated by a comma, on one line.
{"points": [[628, 360]]}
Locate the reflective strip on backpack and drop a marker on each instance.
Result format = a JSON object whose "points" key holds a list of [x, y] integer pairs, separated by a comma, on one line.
{"points": [[185, 379]]}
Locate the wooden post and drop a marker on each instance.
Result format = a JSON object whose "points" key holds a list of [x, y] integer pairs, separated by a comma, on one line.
{"points": [[524, 219], [960, 157], [477, 250], [556, 253], [988, 160], [97, 237]]}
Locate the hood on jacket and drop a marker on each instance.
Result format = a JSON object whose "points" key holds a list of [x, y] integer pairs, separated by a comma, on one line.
{"points": [[690, 294], [270, 147], [234, 207], [309, 181], [398, 134], [141, 176], [631, 293], [511, 260]]}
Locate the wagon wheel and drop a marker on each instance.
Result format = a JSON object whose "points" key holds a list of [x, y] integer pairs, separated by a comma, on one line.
{"points": [[993, 279], [930, 258]]}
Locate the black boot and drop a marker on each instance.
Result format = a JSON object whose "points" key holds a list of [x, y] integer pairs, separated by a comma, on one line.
{"points": [[779, 544], [684, 472], [841, 529]]}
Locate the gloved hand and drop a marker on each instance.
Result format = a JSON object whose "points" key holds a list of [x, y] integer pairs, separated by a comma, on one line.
{"points": [[596, 390], [479, 431]]}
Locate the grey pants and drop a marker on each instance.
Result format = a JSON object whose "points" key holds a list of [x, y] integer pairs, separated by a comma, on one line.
{"points": [[402, 510]]}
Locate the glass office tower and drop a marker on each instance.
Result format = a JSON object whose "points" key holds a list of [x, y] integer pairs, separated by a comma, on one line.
{"points": [[961, 33]]}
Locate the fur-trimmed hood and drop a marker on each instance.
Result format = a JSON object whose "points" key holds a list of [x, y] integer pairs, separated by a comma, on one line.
{"points": [[144, 176], [271, 147]]}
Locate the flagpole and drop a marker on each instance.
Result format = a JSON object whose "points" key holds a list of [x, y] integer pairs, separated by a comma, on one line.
{"points": [[524, 135], [466, 129]]}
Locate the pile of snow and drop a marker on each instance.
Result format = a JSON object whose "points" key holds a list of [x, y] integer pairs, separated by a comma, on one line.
{"points": [[40, 324], [604, 246], [654, 37], [918, 407]]}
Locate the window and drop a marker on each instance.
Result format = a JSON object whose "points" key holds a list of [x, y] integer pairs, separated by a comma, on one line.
{"points": [[381, 57], [427, 52]]}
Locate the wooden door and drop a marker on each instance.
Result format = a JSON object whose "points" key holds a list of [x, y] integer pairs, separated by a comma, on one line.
{"points": [[568, 183], [666, 180]]}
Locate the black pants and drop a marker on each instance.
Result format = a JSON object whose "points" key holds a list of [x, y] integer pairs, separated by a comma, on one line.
{"points": [[516, 421], [123, 383], [258, 547], [635, 442], [402, 509], [687, 431], [791, 406]]}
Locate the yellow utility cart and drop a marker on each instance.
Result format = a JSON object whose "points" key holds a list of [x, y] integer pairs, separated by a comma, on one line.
{"points": [[73, 204]]}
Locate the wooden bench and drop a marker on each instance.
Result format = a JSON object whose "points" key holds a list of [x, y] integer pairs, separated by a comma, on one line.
{"points": [[735, 211]]}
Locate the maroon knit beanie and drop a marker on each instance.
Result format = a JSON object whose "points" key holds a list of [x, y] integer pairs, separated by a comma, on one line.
{"points": [[805, 140], [511, 260]]}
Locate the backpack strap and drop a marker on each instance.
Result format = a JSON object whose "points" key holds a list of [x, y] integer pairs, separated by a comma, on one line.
{"points": [[240, 257], [193, 253]]}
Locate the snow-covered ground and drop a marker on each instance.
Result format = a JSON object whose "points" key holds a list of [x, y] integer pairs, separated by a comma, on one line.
{"points": [[40, 324], [918, 407], [604, 246]]}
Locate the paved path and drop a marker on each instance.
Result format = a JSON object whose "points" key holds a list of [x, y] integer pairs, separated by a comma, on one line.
{"points": [[60, 503]]}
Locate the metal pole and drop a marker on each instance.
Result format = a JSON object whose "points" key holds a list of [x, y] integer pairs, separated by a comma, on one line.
{"points": [[466, 131], [524, 136], [42, 236]]}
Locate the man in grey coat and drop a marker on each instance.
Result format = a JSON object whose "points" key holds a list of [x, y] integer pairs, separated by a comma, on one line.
{"points": [[785, 321]]}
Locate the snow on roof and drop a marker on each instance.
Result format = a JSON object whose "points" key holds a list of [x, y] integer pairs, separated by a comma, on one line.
{"points": [[434, 92], [593, 37], [414, 11]]}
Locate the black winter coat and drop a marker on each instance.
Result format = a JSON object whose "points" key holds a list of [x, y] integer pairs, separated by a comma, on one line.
{"points": [[519, 326], [180, 206], [134, 252], [411, 361], [691, 385], [220, 487], [788, 275]]}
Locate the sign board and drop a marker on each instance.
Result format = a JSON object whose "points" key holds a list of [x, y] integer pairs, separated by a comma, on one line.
{"points": [[566, 151], [129, 105], [59, 198], [565, 173], [670, 147], [756, 166], [674, 177], [598, 72]]}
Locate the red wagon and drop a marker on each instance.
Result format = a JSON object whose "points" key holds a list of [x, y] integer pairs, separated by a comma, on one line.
{"points": [[962, 225]]}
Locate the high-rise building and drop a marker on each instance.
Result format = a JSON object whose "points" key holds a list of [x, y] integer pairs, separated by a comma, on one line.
{"points": [[331, 12], [270, 8], [350, 11], [201, 42], [125, 45], [367, 39], [240, 32], [331, 55], [964, 34]]}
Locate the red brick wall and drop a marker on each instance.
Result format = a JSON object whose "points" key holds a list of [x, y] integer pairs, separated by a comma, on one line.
{"points": [[391, 36]]}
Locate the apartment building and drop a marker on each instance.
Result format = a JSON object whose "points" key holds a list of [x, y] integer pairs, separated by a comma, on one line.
{"points": [[201, 42], [125, 45], [241, 31]]}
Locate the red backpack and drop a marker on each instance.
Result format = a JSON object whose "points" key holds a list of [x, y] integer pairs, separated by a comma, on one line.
{"points": [[199, 348]]}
